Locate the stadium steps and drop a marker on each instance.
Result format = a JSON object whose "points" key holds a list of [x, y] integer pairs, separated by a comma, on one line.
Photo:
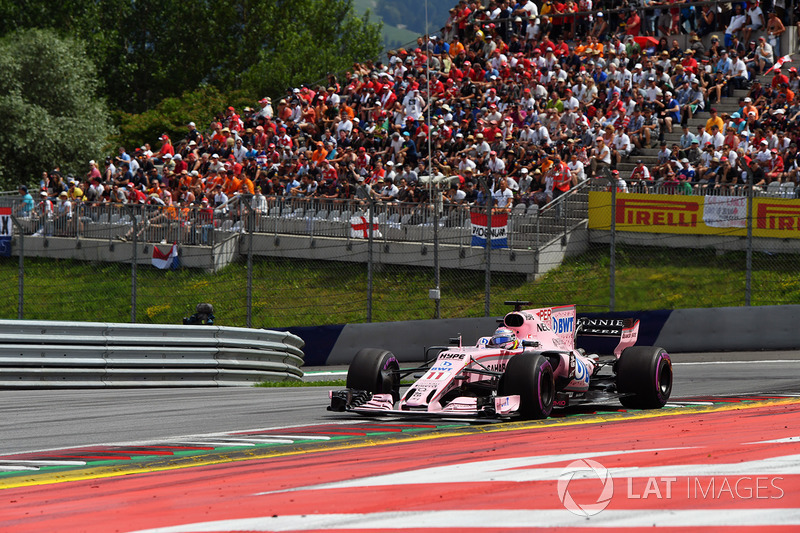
{"points": [[550, 227], [728, 104]]}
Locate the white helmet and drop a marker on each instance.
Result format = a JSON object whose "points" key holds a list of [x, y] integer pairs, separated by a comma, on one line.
{"points": [[502, 337]]}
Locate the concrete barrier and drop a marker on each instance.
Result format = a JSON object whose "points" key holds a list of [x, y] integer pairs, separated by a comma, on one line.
{"points": [[39, 354], [681, 330]]}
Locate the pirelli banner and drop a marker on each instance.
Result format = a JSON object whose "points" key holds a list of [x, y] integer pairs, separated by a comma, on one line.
{"points": [[695, 215]]}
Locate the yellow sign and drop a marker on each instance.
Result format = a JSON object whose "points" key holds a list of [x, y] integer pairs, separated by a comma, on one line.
{"points": [[776, 217], [695, 215]]}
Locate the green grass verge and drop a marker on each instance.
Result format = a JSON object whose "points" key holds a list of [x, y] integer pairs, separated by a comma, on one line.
{"points": [[322, 383], [310, 293]]}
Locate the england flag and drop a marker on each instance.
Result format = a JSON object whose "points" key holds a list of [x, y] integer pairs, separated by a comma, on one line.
{"points": [[359, 228]]}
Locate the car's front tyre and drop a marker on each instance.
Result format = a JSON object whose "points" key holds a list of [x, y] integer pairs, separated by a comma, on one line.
{"points": [[530, 376], [375, 370]]}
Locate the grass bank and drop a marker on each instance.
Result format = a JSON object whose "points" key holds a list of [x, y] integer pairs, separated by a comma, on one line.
{"points": [[306, 293]]}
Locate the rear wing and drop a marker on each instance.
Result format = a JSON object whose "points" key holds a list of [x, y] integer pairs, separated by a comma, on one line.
{"points": [[626, 329]]}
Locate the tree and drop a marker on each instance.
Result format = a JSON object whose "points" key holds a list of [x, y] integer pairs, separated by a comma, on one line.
{"points": [[329, 40], [148, 50], [48, 99]]}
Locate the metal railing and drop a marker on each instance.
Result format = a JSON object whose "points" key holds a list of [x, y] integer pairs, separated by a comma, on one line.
{"points": [[40, 354], [774, 189], [316, 217]]}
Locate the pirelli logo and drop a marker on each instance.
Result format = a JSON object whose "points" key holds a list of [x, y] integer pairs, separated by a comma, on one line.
{"points": [[657, 212], [778, 216]]}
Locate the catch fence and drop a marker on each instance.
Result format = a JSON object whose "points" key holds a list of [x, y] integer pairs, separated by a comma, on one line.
{"points": [[292, 262]]}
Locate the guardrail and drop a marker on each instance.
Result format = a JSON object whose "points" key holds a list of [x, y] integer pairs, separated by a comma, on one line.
{"points": [[39, 354]]}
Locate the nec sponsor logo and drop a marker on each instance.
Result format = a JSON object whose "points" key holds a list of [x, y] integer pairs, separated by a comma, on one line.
{"points": [[563, 325], [778, 216], [542, 327], [657, 212]]}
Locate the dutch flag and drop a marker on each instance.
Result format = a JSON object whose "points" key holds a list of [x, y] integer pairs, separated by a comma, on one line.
{"points": [[499, 230], [165, 261]]}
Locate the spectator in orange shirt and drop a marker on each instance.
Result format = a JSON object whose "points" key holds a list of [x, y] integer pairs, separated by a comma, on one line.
{"points": [[247, 186], [319, 155], [749, 108], [232, 184]]}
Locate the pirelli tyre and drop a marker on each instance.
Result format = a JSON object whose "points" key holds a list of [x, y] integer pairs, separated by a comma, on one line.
{"points": [[530, 375], [644, 375], [376, 371]]}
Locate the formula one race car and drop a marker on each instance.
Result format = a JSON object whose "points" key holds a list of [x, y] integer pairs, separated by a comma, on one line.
{"points": [[527, 367]]}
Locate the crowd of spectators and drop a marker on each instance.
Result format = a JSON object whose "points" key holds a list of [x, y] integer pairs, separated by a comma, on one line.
{"points": [[524, 103]]}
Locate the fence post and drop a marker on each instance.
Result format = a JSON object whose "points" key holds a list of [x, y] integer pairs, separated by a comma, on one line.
{"points": [[748, 273], [436, 206], [250, 224], [21, 274], [78, 209], [133, 263], [370, 202], [612, 300], [487, 299]]}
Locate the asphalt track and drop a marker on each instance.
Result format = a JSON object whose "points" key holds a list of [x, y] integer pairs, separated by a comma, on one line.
{"points": [[41, 420], [235, 459]]}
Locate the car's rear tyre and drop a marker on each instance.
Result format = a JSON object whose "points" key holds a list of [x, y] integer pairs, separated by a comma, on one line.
{"points": [[645, 373], [376, 371], [530, 375]]}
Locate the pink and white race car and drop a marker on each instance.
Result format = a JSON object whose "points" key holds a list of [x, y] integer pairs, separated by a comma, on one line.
{"points": [[526, 368]]}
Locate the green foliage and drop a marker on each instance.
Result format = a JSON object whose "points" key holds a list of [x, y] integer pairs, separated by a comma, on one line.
{"points": [[322, 383], [52, 114], [172, 115], [150, 50], [313, 49]]}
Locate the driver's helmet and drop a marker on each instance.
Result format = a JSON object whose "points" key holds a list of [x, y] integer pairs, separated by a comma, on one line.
{"points": [[504, 337]]}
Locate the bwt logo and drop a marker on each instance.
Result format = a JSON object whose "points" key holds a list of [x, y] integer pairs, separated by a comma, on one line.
{"points": [[778, 216], [563, 325], [657, 213]]}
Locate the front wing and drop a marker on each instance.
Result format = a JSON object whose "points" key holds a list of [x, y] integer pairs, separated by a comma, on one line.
{"points": [[384, 404]]}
